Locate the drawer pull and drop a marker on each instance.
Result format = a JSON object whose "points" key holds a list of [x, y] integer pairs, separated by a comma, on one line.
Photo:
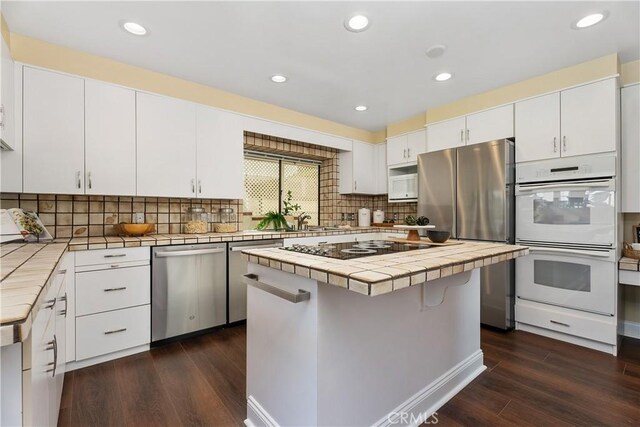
{"points": [[560, 323], [115, 255], [62, 271], [114, 265], [51, 303], [122, 288], [302, 295], [115, 331]]}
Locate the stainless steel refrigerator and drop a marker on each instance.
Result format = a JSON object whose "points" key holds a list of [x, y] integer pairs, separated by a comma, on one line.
{"points": [[469, 191]]}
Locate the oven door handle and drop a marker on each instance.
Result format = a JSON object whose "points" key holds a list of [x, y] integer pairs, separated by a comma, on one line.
{"points": [[571, 251], [575, 186]]}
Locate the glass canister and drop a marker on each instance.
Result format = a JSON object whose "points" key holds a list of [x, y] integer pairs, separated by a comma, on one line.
{"points": [[196, 221], [227, 221]]}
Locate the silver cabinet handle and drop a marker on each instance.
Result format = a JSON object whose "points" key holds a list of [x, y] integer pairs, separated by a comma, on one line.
{"points": [[193, 186], [121, 288], [114, 265], [2, 116], [51, 303], [468, 135], [169, 254], [564, 143], [115, 255], [115, 331], [355, 185], [244, 248], [559, 323], [66, 304], [53, 345], [555, 144], [408, 153], [63, 271], [89, 183], [461, 135], [302, 295], [200, 186], [78, 181]]}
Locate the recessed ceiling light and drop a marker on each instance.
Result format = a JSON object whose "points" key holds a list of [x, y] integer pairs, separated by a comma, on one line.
{"points": [[436, 51], [357, 23], [589, 20], [278, 78], [361, 108], [134, 28], [442, 77]]}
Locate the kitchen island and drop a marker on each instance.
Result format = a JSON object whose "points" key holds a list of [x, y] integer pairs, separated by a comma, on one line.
{"points": [[381, 340]]}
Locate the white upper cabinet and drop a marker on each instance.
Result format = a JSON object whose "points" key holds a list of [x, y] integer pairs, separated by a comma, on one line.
{"points": [[362, 171], [538, 128], [630, 156], [572, 122], [53, 138], [220, 154], [588, 118], [110, 139], [7, 91], [404, 149], [446, 134], [490, 125], [166, 148]]}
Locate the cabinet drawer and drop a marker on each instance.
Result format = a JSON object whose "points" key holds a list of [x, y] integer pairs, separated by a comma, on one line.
{"points": [[105, 290], [571, 322], [105, 333], [111, 256]]}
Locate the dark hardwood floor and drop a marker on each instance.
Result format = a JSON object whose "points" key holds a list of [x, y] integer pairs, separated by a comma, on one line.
{"points": [[530, 380]]}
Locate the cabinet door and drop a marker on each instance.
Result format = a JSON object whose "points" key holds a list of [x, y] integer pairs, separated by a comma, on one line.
{"points": [[7, 88], [588, 118], [364, 182], [630, 155], [416, 144], [53, 137], [220, 154], [397, 150], [166, 149], [110, 139], [381, 170], [447, 134], [490, 125], [538, 128], [42, 387]]}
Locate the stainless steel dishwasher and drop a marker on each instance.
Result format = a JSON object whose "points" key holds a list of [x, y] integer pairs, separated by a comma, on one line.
{"points": [[237, 270], [189, 289]]}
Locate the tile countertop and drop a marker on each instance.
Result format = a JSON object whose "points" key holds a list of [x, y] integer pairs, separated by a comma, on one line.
{"points": [[25, 268], [85, 243], [630, 264], [376, 275]]}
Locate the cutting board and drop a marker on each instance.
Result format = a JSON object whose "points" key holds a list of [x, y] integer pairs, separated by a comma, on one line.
{"points": [[425, 242]]}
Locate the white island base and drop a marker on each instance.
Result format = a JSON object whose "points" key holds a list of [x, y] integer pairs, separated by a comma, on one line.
{"points": [[341, 358]]}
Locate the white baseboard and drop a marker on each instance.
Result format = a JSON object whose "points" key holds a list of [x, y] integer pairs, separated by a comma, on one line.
{"points": [[71, 366], [424, 403], [259, 414], [631, 329]]}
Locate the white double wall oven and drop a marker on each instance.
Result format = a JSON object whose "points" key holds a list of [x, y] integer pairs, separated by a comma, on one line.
{"points": [[566, 214]]}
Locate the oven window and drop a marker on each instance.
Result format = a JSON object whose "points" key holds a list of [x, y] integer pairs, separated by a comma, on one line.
{"points": [[562, 208], [562, 275]]}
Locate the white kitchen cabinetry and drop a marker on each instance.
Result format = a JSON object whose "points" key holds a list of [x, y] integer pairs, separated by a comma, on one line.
{"points": [[166, 149], [7, 93], [446, 134], [404, 149], [220, 154], [538, 128], [572, 122], [630, 156], [110, 139], [488, 125], [112, 304], [53, 138], [362, 171]]}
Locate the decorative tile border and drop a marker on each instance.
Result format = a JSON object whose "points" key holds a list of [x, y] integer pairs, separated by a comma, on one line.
{"points": [[381, 274]]}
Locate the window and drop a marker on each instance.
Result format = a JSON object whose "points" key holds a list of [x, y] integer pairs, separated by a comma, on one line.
{"points": [[268, 179]]}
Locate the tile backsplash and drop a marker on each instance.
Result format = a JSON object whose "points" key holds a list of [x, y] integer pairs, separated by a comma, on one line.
{"points": [[94, 216]]}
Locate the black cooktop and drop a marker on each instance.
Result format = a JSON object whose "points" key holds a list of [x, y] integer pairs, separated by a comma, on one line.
{"points": [[352, 250]]}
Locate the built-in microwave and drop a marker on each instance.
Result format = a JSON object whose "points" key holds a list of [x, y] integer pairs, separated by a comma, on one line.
{"points": [[403, 188]]}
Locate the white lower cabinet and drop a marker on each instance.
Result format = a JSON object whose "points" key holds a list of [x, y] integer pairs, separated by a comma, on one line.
{"points": [[112, 304]]}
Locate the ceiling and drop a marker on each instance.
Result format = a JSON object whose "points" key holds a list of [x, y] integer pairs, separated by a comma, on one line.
{"points": [[237, 46]]}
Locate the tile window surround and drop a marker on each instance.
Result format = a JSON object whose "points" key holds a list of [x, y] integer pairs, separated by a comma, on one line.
{"points": [[94, 216]]}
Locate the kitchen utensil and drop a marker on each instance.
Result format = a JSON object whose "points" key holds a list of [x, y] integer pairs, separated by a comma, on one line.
{"points": [[438, 236]]}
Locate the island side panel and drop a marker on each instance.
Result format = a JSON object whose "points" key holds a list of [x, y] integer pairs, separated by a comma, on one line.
{"points": [[378, 354], [281, 352]]}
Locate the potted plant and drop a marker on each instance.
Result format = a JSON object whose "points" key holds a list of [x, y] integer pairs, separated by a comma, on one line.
{"points": [[289, 208], [276, 218]]}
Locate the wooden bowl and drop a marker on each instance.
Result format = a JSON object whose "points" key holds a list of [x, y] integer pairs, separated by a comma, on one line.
{"points": [[134, 229]]}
